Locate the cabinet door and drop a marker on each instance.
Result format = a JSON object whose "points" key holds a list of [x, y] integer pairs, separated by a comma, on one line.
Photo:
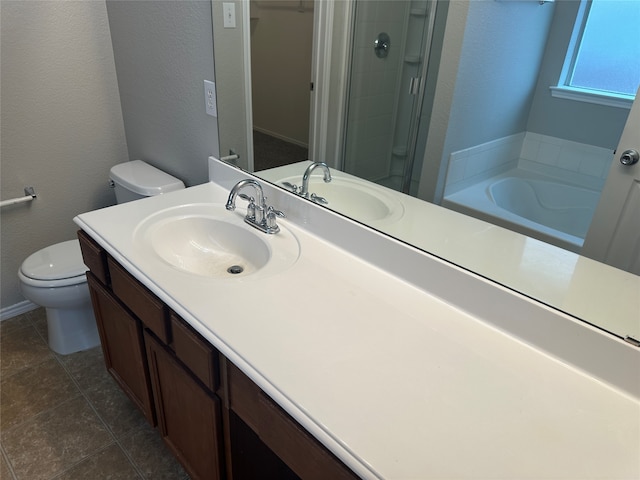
{"points": [[123, 347], [189, 418]]}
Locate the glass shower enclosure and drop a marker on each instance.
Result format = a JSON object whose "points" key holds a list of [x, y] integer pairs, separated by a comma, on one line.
{"points": [[389, 54]]}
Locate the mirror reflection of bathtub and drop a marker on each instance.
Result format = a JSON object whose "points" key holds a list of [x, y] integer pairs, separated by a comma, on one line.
{"points": [[534, 205]]}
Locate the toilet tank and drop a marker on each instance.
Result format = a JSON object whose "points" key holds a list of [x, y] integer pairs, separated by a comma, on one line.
{"points": [[137, 179]]}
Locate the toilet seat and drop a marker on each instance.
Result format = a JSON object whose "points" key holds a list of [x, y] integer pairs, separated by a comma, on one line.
{"points": [[57, 265]]}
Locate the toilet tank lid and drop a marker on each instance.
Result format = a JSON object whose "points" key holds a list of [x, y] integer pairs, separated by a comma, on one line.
{"points": [[55, 262], [144, 179]]}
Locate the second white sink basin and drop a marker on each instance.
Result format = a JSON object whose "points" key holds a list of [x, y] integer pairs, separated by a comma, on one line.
{"points": [[356, 199], [209, 241]]}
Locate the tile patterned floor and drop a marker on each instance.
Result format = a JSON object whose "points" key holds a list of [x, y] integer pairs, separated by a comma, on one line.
{"points": [[63, 417]]}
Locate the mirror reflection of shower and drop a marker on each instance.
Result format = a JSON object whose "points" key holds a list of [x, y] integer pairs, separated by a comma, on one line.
{"points": [[387, 76]]}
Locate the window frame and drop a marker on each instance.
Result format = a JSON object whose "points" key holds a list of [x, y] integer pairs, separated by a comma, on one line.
{"points": [[565, 90]]}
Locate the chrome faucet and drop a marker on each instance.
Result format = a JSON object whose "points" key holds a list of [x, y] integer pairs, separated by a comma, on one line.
{"points": [[304, 190], [258, 214]]}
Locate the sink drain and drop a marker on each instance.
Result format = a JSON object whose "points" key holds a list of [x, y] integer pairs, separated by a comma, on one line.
{"points": [[235, 269]]}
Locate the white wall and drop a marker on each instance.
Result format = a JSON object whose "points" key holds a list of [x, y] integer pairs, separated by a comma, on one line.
{"points": [[61, 124], [233, 116]]}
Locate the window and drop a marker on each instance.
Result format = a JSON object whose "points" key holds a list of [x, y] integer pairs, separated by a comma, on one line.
{"points": [[603, 60]]}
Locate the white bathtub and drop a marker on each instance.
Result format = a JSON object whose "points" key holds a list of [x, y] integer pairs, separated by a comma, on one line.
{"points": [[539, 207]]}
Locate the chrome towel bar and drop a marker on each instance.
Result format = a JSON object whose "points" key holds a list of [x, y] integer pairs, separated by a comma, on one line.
{"points": [[230, 158], [29, 195]]}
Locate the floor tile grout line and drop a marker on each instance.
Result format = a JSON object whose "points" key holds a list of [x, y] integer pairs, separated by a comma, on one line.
{"points": [[7, 462], [4, 375], [127, 454], [32, 320], [33, 324], [135, 466], [81, 393], [47, 410], [69, 400], [97, 452], [85, 397], [39, 414], [102, 420], [35, 321]]}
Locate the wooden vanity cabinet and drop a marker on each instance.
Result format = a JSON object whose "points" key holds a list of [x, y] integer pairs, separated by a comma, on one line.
{"points": [[169, 372], [218, 423]]}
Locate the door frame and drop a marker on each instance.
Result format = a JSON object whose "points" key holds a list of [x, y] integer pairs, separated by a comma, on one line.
{"points": [[609, 239]]}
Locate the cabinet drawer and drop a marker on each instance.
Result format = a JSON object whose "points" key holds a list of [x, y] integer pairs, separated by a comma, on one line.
{"points": [[147, 307], [195, 352], [305, 455], [94, 257]]}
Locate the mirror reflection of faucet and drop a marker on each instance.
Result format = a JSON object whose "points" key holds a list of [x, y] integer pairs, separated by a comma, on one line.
{"points": [[303, 191], [259, 215]]}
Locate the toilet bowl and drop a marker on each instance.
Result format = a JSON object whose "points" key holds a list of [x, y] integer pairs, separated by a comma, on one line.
{"points": [[54, 277]]}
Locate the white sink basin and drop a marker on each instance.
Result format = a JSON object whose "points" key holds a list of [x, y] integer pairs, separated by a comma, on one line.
{"points": [[358, 200], [209, 241]]}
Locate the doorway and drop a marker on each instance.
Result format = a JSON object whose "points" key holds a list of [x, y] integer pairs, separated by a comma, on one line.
{"points": [[281, 52]]}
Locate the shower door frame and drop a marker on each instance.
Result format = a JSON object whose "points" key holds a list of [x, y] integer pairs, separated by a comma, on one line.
{"points": [[332, 52]]}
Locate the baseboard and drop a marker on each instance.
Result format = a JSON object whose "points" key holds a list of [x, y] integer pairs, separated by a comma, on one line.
{"points": [[17, 309], [281, 137]]}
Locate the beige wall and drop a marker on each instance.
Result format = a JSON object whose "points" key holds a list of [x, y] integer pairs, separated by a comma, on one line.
{"points": [[163, 52], [281, 43], [61, 124], [231, 86]]}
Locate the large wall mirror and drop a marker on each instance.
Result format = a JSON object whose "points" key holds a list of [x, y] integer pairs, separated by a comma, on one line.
{"points": [[444, 103]]}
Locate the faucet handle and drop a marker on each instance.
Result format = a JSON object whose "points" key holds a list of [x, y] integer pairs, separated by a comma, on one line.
{"points": [[291, 186], [319, 199], [251, 208], [275, 213], [272, 213]]}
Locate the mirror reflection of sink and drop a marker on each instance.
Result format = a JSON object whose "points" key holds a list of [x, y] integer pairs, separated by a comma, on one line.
{"points": [[358, 200], [209, 241]]}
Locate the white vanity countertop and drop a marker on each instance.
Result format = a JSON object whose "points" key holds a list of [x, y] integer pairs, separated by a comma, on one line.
{"points": [[587, 289], [397, 383]]}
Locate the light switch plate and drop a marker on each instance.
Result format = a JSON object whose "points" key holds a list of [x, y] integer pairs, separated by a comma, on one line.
{"points": [[229, 14], [210, 98]]}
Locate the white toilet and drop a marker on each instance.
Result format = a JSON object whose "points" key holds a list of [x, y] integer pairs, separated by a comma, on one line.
{"points": [[54, 277]]}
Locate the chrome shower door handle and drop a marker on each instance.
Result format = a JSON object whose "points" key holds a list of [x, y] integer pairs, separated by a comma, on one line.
{"points": [[381, 45]]}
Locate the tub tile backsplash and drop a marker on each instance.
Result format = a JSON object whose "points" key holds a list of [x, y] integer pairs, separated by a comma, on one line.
{"points": [[573, 156], [579, 163], [480, 162]]}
